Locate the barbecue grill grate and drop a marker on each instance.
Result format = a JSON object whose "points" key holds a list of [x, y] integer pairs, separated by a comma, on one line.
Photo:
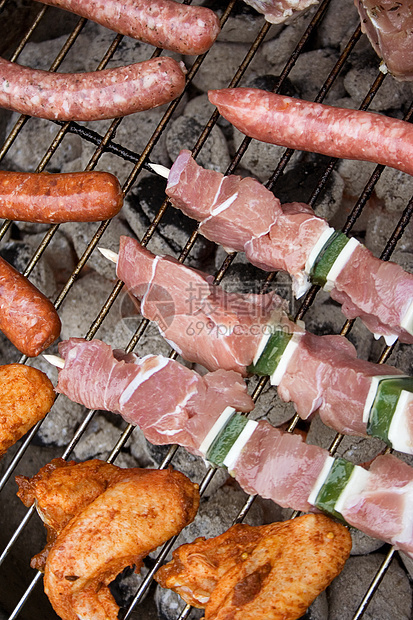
{"points": [[18, 458]]}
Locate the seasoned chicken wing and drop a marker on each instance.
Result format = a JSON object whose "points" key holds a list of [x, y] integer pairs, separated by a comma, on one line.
{"points": [[61, 489], [26, 395], [115, 517], [272, 571]]}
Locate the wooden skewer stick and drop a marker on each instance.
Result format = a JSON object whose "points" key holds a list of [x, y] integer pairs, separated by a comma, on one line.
{"points": [[159, 169], [109, 254], [55, 360]]}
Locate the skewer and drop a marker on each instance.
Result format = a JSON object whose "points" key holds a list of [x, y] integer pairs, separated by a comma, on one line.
{"points": [[109, 254], [55, 360], [163, 171]]}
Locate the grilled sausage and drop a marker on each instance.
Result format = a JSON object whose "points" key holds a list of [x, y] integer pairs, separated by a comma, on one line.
{"points": [[26, 395], [27, 317], [90, 96], [56, 198], [164, 23], [338, 132]]}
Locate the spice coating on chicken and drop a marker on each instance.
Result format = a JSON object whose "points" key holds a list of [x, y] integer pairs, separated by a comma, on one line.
{"points": [[62, 489], [26, 396], [272, 571], [137, 511]]}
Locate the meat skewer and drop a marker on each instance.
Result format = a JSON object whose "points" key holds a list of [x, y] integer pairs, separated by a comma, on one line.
{"points": [[253, 334], [264, 460], [242, 215], [151, 386]]}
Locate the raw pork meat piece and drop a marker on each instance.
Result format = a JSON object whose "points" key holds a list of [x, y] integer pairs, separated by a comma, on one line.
{"points": [[158, 394], [325, 376], [279, 466], [389, 27], [288, 243], [379, 292], [229, 208], [278, 11], [384, 507], [200, 320]]}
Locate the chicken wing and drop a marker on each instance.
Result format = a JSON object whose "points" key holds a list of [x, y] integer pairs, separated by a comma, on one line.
{"points": [[61, 489], [114, 518], [26, 395], [272, 571]]}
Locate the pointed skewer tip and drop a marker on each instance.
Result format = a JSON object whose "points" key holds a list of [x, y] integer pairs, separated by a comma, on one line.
{"points": [[55, 360], [163, 171], [109, 254]]}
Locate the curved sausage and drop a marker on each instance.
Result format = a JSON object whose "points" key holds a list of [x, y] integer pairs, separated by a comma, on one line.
{"points": [[164, 23], [56, 198], [316, 127], [90, 96], [27, 317]]}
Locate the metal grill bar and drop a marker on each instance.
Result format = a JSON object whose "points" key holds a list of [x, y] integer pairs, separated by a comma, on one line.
{"points": [[105, 144]]}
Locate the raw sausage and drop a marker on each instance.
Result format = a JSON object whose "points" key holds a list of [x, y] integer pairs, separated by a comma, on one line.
{"points": [[27, 317], [26, 395], [164, 23], [90, 96], [316, 127], [56, 198]]}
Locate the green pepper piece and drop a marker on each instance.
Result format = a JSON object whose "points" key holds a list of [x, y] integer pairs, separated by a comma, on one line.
{"points": [[270, 357], [384, 405], [327, 257], [226, 438], [333, 486]]}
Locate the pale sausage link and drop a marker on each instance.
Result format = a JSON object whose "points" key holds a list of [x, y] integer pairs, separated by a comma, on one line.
{"points": [[316, 127], [90, 96], [163, 23]]}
